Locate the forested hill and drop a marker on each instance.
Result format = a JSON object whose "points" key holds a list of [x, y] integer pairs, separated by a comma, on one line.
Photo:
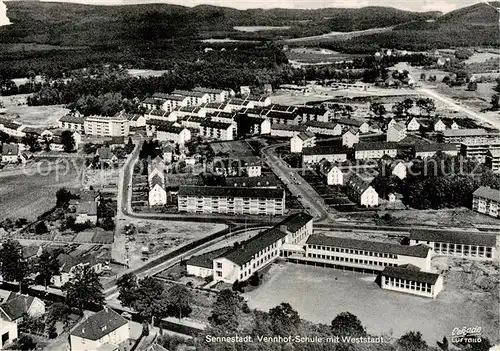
{"points": [[77, 24]]}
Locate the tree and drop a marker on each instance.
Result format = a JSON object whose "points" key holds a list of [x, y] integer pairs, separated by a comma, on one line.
{"points": [[68, 141], [408, 104], [378, 109], [151, 301], [130, 146], [179, 300], [24, 342], [41, 228], [398, 109], [495, 102], [107, 223], [226, 310], [412, 341], [13, 268], [62, 197], [58, 312], [347, 324], [426, 105], [47, 266], [31, 141], [84, 289], [128, 289], [472, 86], [284, 319]]}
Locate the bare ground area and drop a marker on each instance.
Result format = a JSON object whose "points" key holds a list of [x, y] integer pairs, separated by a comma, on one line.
{"points": [[36, 116], [319, 294]]}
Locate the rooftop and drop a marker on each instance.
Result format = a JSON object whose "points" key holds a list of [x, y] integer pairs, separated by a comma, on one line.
{"points": [[318, 124], [429, 147], [206, 260], [189, 93], [209, 90], [306, 135], [380, 145], [252, 182], [325, 150], [374, 246], [214, 191], [15, 307], [168, 97], [216, 125], [464, 132], [457, 237], [289, 127], [72, 119], [410, 274], [100, 324], [10, 150], [488, 193], [350, 122], [358, 184]]}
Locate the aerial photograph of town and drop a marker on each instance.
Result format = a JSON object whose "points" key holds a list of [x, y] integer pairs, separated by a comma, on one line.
{"points": [[217, 175]]}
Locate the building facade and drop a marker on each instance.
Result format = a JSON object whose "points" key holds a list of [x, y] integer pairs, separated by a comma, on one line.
{"points": [[487, 201], [107, 126], [411, 280]]}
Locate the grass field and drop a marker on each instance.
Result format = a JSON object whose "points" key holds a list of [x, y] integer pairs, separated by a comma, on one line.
{"points": [[316, 55], [36, 116], [319, 294], [28, 196], [235, 148], [145, 72]]}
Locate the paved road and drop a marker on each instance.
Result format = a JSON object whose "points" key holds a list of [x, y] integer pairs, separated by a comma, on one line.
{"points": [[309, 198], [462, 108]]}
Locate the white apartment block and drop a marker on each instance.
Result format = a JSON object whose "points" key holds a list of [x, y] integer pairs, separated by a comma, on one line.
{"points": [[324, 128], [486, 200], [375, 150], [251, 256], [217, 130], [177, 134], [194, 98], [207, 199], [70, 122], [457, 243], [361, 191], [107, 126], [316, 154], [302, 140], [170, 102], [214, 95]]}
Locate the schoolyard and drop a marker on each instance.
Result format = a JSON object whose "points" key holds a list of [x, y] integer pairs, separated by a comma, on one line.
{"points": [[320, 294]]}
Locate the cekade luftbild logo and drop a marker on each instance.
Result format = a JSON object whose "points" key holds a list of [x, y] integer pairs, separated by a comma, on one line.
{"points": [[466, 334]]}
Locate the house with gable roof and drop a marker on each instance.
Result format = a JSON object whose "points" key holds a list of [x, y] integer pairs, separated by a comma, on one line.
{"points": [[361, 191], [301, 140], [16, 306]]}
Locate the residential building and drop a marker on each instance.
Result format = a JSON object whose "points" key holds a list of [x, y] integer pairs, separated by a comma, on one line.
{"points": [[70, 264], [362, 126], [324, 128], [214, 95], [169, 102], [10, 153], [151, 104], [457, 243], [454, 126], [215, 107], [492, 160], [315, 154], [135, 120], [12, 128], [157, 192], [399, 169], [259, 101], [216, 130], [253, 125], [425, 150], [439, 126], [412, 125], [106, 155], [364, 255], [302, 140], [240, 104], [72, 122], [86, 211], [56, 135], [14, 309], [202, 265], [253, 182], [313, 113], [208, 199], [8, 333], [105, 327], [240, 263], [173, 132], [335, 175], [287, 130], [375, 150], [411, 280], [487, 201], [396, 132], [194, 98], [350, 137], [107, 126], [361, 191], [160, 115], [156, 167], [187, 111], [475, 142]]}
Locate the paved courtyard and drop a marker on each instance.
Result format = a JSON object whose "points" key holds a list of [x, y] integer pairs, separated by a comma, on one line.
{"points": [[319, 294]]}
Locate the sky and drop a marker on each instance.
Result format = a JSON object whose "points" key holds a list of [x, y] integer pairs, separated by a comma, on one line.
{"points": [[411, 5]]}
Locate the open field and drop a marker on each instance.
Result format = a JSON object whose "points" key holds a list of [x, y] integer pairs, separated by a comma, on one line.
{"points": [[319, 294], [233, 148], [316, 55], [479, 57], [36, 116], [145, 72], [26, 195]]}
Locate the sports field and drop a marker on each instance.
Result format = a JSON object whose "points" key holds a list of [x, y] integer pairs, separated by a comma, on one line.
{"points": [[236, 148]]}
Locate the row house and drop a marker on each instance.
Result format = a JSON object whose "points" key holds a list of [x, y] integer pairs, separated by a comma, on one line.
{"points": [[259, 101], [254, 125], [251, 256], [226, 117], [302, 140], [107, 126], [69, 265], [426, 150], [169, 102], [350, 137], [346, 123], [316, 154], [192, 122], [214, 95], [324, 128], [151, 104], [486, 200], [492, 160], [396, 132], [361, 191], [72, 122], [240, 104], [479, 246], [152, 124], [216, 130], [410, 279], [375, 150], [371, 256], [12, 128], [186, 111], [194, 98], [287, 130], [227, 200], [216, 107], [173, 132], [313, 113], [159, 114]]}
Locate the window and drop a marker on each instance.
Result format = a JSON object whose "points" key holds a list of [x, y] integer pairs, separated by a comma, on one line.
{"points": [[219, 265], [219, 273]]}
